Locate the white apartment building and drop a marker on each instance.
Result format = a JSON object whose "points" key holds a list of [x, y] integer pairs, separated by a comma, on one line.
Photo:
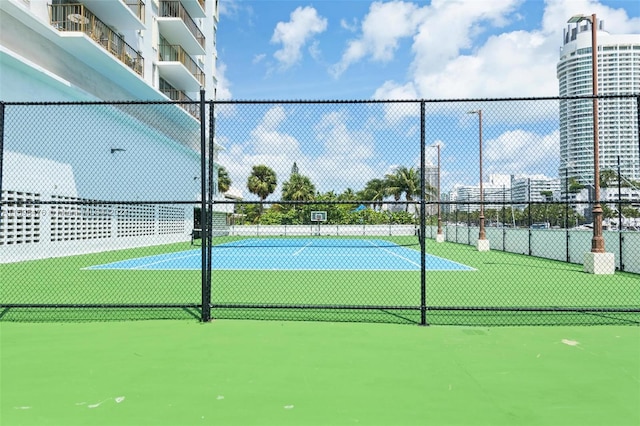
{"points": [[466, 197], [618, 58], [110, 50], [94, 51], [535, 188]]}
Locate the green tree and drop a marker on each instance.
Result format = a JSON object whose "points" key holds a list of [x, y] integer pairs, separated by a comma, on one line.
{"points": [[394, 186], [575, 186], [547, 195], [406, 180], [262, 182], [375, 191], [298, 188], [224, 181], [348, 195], [607, 178]]}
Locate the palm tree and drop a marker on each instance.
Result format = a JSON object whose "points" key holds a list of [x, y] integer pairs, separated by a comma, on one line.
{"points": [[574, 185], [404, 180], [224, 181], [607, 177], [394, 186], [262, 182], [375, 190], [298, 188], [347, 195]]}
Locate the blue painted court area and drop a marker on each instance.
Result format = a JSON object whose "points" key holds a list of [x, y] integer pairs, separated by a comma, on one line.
{"points": [[298, 254]]}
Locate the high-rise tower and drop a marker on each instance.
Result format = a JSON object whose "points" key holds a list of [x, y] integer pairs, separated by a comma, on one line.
{"points": [[618, 57]]}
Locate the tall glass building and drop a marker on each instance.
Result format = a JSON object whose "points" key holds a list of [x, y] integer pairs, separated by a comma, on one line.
{"points": [[618, 73]]}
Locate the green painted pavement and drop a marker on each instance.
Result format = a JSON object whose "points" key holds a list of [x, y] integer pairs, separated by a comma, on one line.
{"points": [[296, 373]]}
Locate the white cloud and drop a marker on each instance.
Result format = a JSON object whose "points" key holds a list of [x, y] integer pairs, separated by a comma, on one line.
{"points": [[258, 58], [382, 28], [229, 8], [394, 113], [223, 88], [510, 64], [267, 139], [339, 140], [351, 27], [314, 50], [519, 151], [293, 35], [267, 145], [339, 158]]}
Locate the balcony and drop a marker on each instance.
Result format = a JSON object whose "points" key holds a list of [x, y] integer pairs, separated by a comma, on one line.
{"points": [[77, 18], [122, 15], [177, 26], [179, 95], [194, 7], [176, 66]]}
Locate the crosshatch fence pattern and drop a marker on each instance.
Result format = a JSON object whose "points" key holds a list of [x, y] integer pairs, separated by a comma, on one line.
{"points": [[333, 210]]}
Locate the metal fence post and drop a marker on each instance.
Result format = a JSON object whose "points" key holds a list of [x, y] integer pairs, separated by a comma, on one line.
{"points": [[2, 106], [423, 286], [204, 221], [211, 180]]}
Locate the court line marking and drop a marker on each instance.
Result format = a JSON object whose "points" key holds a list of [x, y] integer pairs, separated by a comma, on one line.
{"points": [[465, 267], [144, 265], [395, 254], [169, 257], [297, 252]]}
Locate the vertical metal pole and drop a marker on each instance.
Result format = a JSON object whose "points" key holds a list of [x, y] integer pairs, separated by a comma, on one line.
{"points": [[597, 242], [456, 216], [481, 235], [529, 215], [504, 230], [638, 124], [2, 106], [439, 213], [566, 209], [211, 181], [468, 219], [204, 233], [620, 215], [423, 278]]}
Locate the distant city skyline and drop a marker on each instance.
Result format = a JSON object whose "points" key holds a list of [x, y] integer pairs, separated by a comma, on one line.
{"points": [[288, 50]]}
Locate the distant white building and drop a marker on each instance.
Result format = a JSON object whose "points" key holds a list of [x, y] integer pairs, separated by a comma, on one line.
{"points": [[467, 197], [582, 201], [618, 59], [534, 188]]}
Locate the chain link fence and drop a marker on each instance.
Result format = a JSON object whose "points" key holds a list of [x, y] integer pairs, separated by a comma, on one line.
{"points": [[470, 212]]}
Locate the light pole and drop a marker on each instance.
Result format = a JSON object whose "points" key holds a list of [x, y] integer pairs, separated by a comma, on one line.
{"points": [[483, 243], [597, 261], [439, 235]]}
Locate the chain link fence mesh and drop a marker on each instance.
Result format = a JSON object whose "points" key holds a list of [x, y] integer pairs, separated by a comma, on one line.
{"points": [[338, 211]]}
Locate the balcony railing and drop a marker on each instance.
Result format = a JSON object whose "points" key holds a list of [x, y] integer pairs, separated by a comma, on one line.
{"points": [[175, 53], [174, 9], [179, 95], [77, 18], [137, 6]]}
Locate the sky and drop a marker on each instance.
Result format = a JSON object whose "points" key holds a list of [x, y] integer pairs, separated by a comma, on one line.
{"points": [[364, 50]]}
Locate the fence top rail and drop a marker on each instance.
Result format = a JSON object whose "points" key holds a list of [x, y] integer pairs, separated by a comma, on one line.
{"points": [[335, 101]]}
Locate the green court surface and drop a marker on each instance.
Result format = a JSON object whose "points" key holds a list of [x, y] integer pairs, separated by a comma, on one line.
{"points": [[232, 372], [502, 280]]}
